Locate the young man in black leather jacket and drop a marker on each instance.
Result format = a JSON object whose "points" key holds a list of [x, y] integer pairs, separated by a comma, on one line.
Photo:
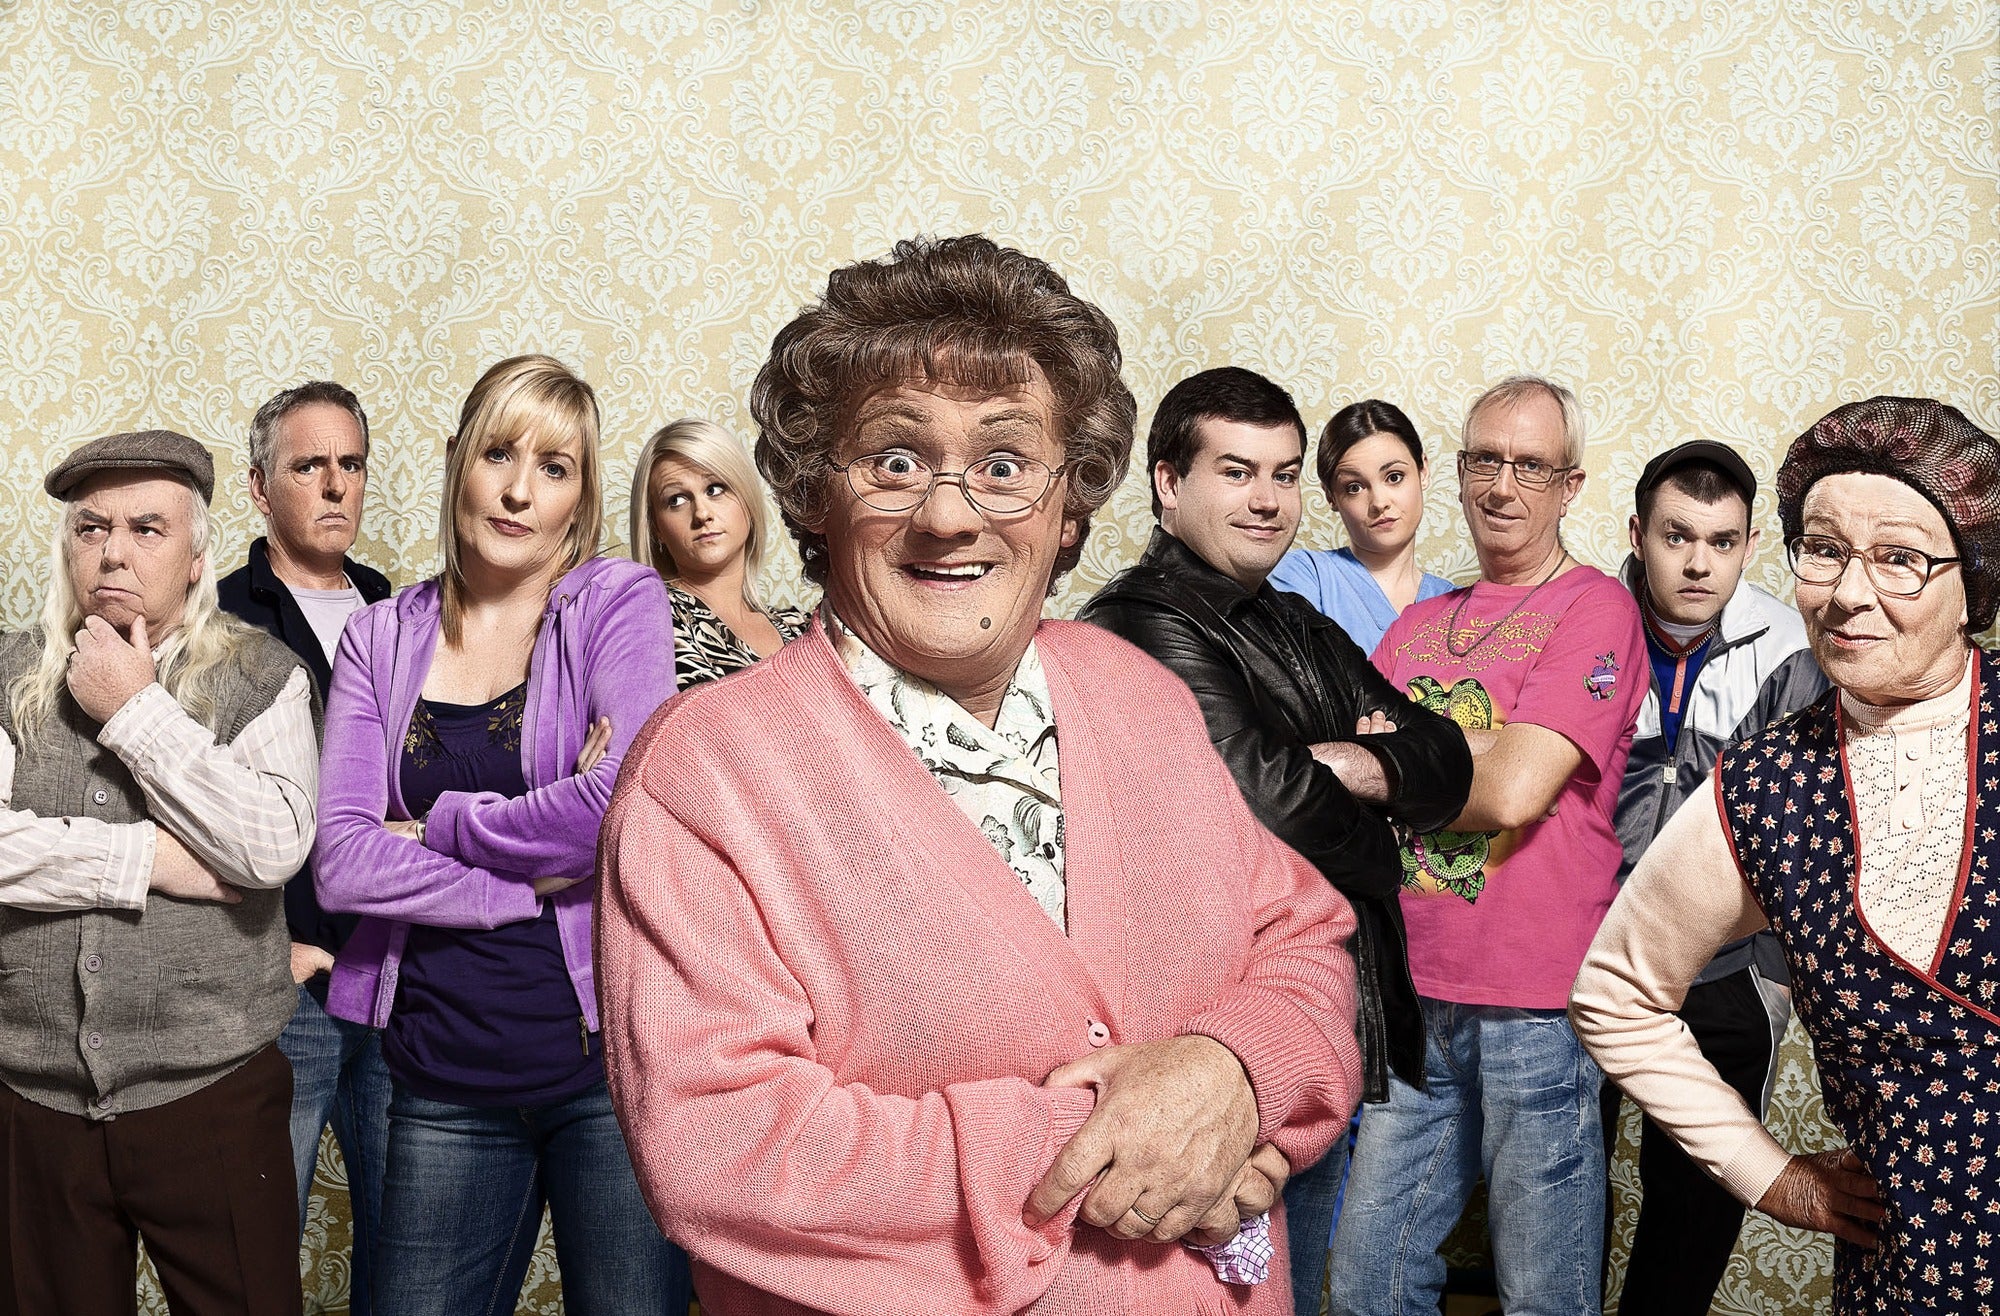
{"points": [[1326, 751]]}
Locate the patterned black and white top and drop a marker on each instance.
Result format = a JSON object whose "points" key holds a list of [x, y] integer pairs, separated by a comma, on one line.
{"points": [[705, 648], [1008, 779]]}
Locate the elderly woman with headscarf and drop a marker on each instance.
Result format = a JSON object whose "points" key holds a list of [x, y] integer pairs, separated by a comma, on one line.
{"points": [[1862, 831], [944, 967]]}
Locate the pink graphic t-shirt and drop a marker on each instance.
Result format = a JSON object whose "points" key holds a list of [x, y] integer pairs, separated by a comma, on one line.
{"points": [[1504, 918]]}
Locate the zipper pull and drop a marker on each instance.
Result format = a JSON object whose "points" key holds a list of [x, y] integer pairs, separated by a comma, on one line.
{"points": [[583, 1032]]}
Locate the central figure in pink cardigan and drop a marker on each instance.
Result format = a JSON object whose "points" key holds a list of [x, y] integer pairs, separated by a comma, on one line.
{"points": [[943, 967]]}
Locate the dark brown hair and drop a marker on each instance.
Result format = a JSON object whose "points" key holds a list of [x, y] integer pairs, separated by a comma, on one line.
{"points": [[1705, 482], [963, 311], [1357, 421], [1219, 393]]}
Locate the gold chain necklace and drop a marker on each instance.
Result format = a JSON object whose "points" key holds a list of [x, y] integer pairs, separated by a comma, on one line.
{"points": [[1451, 626]]}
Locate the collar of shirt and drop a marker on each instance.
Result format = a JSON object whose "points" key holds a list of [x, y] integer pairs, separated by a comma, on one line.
{"points": [[1019, 749]]}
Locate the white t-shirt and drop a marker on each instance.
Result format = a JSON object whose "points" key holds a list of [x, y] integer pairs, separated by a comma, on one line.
{"points": [[327, 611]]}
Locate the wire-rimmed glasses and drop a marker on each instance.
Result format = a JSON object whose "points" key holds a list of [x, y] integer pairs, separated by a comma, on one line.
{"points": [[1001, 485], [1893, 569], [1529, 472]]}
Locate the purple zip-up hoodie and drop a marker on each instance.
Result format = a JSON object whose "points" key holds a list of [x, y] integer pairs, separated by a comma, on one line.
{"points": [[606, 649]]}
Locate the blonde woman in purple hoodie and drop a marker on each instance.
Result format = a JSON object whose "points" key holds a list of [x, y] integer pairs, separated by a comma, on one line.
{"points": [[475, 726]]}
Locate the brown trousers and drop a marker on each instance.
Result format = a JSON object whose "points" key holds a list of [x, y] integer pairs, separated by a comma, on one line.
{"points": [[205, 1180]]}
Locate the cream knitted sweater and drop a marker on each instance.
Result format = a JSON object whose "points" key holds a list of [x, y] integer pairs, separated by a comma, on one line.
{"points": [[1687, 897]]}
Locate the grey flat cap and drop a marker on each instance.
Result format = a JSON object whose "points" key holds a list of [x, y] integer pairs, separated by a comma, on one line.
{"points": [[161, 450]]}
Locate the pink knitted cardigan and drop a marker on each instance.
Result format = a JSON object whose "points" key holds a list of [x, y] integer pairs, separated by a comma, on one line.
{"points": [[828, 1005]]}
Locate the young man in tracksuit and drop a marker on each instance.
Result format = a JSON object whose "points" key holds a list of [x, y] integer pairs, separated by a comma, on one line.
{"points": [[1726, 659]]}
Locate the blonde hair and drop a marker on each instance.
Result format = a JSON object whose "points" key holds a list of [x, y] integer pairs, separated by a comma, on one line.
{"points": [[191, 661], [713, 450], [1514, 390], [536, 396]]}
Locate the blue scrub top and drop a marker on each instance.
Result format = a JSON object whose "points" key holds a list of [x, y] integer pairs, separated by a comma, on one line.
{"points": [[1335, 581]]}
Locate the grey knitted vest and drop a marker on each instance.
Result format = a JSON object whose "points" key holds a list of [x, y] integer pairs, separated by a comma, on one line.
{"points": [[107, 1011]]}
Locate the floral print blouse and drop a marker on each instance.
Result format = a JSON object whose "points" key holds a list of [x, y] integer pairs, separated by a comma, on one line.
{"points": [[1005, 778], [704, 646]]}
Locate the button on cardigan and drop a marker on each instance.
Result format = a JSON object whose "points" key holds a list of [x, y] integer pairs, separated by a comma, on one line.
{"points": [[829, 1006]]}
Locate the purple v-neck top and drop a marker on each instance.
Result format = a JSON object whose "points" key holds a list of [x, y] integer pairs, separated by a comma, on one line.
{"points": [[483, 1017]]}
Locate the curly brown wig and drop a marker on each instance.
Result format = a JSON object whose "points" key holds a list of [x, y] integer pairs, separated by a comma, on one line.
{"points": [[963, 311]]}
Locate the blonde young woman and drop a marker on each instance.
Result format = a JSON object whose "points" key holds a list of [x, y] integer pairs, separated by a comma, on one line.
{"points": [[697, 520], [475, 726]]}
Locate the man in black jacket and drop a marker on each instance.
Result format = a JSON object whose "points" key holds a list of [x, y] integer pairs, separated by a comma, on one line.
{"points": [[1295, 708], [308, 475]]}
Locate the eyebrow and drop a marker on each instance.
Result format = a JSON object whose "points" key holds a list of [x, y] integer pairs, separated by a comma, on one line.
{"points": [[1682, 527], [1346, 472], [675, 484], [1893, 523], [892, 411], [560, 448], [1245, 461], [1011, 416]]}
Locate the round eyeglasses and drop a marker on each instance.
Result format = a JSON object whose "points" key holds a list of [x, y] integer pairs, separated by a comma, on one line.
{"points": [[1000, 485], [1529, 472], [1892, 569]]}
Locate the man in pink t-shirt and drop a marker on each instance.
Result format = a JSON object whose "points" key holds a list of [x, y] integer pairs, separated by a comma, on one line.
{"points": [[1543, 662]]}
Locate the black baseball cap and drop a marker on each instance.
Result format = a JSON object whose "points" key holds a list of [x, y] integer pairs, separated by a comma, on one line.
{"points": [[1719, 455]]}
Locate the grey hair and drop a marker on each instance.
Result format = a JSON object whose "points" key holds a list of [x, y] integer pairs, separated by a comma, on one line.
{"points": [[1515, 389], [191, 660], [264, 425]]}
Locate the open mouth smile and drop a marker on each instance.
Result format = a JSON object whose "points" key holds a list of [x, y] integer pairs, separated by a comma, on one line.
{"points": [[948, 573]]}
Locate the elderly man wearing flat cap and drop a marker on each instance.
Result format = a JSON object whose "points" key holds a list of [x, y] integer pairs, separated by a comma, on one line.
{"points": [[1725, 661], [157, 775]]}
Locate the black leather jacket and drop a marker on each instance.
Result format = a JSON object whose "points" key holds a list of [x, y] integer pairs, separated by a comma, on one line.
{"points": [[1274, 677]]}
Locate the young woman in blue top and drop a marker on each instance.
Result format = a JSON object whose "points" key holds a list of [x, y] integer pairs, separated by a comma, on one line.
{"points": [[1371, 465]]}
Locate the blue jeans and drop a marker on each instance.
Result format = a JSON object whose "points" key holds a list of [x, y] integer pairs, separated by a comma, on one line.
{"points": [[1312, 1200], [463, 1202], [338, 1075], [1513, 1095]]}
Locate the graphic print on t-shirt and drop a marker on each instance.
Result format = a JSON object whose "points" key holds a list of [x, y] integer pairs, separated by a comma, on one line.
{"points": [[1447, 861], [1511, 929], [1602, 681]]}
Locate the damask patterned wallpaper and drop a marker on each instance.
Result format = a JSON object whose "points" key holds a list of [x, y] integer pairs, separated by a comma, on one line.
{"points": [[1713, 219]]}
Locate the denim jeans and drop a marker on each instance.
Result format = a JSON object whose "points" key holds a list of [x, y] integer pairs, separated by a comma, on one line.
{"points": [[338, 1076], [463, 1202], [1312, 1201], [1511, 1094]]}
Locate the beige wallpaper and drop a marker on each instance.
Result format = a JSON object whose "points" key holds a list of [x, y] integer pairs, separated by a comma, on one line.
{"points": [[1715, 219]]}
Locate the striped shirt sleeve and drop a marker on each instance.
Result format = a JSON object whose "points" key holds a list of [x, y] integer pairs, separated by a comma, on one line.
{"points": [[245, 809], [49, 865]]}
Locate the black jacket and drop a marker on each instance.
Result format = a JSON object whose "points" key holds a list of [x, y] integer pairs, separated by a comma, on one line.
{"points": [[1274, 677], [254, 593]]}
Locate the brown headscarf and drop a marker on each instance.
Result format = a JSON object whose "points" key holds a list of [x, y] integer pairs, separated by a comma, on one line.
{"points": [[1932, 448]]}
